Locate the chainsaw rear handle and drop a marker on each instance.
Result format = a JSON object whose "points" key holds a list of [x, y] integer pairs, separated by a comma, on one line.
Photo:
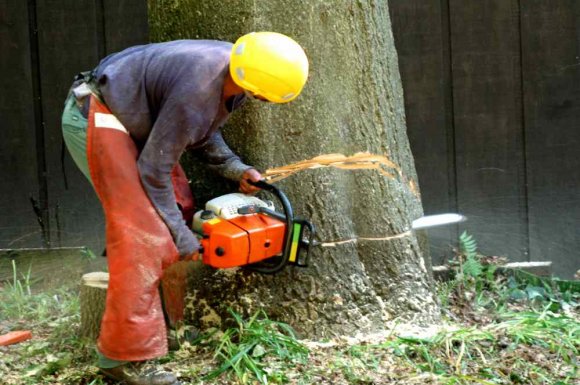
{"points": [[265, 268]]}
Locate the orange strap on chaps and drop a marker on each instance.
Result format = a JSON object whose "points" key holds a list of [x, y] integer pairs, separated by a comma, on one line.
{"points": [[139, 244]]}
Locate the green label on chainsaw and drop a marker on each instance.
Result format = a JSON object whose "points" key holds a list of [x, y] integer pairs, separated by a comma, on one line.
{"points": [[295, 242]]}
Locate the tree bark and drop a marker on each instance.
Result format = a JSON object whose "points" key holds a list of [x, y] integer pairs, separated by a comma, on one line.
{"points": [[353, 102], [92, 300]]}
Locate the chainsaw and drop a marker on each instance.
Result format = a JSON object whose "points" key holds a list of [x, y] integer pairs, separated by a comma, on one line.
{"points": [[238, 230]]}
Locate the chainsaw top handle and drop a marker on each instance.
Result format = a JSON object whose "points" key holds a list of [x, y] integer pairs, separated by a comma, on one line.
{"points": [[272, 268]]}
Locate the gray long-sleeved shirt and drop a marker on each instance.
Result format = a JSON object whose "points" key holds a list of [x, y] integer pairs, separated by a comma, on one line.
{"points": [[169, 97]]}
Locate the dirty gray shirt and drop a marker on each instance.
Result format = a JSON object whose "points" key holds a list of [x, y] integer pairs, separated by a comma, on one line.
{"points": [[169, 97]]}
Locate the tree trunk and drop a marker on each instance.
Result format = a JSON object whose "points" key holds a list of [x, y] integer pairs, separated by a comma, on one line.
{"points": [[92, 300], [353, 102]]}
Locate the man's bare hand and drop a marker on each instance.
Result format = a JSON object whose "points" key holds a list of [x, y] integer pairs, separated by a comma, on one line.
{"points": [[253, 175]]}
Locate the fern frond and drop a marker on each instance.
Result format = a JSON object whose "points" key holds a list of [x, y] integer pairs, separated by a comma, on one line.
{"points": [[472, 267], [468, 245]]}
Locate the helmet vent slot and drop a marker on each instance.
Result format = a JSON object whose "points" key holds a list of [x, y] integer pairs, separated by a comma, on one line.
{"points": [[240, 49], [240, 73]]}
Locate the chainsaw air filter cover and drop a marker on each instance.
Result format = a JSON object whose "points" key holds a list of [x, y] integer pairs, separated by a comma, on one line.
{"points": [[242, 230], [241, 240]]}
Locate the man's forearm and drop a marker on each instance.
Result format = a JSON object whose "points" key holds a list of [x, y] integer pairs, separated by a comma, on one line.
{"points": [[160, 192], [221, 159], [232, 169]]}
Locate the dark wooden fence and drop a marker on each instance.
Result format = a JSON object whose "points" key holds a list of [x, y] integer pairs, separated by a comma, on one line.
{"points": [[45, 200], [492, 93]]}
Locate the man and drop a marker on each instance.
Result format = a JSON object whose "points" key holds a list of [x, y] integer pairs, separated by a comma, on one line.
{"points": [[126, 125]]}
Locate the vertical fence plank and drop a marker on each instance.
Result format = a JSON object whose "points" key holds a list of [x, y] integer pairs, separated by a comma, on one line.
{"points": [[420, 37], [551, 63], [488, 124], [73, 38], [68, 44], [125, 24], [67, 37], [18, 223]]}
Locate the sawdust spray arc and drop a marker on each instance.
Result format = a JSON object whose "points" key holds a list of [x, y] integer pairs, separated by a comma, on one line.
{"points": [[358, 161]]}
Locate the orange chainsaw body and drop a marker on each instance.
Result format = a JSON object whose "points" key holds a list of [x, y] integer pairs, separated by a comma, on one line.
{"points": [[242, 240]]}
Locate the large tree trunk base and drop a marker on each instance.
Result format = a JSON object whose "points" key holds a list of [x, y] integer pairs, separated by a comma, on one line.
{"points": [[315, 302]]}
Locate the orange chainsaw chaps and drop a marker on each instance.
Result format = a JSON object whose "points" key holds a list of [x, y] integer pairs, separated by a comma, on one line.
{"points": [[139, 245], [174, 285]]}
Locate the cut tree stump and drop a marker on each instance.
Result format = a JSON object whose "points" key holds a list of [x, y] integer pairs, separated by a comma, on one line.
{"points": [[93, 294], [92, 300]]}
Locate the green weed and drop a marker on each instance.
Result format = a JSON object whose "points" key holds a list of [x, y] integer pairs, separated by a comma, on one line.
{"points": [[476, 285], [541, 292], [253, 349], [15, 295], [473, 278], [18, 302]]}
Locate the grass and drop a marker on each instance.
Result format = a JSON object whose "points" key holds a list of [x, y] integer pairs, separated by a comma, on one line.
{"points": [[17, 294], [516, 329], [53, 318], [493, 352], [257, 350], [522, 348], [20, 304]]}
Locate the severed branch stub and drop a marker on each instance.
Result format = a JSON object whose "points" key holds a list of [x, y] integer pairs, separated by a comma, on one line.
{"points": [[93, 294]]}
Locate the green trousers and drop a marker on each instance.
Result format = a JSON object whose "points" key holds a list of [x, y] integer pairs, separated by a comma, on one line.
{"points": [[74, 132]]}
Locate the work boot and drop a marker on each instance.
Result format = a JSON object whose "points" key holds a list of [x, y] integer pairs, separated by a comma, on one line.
{"points": [[136, 374]]}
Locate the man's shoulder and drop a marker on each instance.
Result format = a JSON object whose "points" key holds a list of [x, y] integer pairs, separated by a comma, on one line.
{"points": [[211, 50], [184, 51], [189, 54]]}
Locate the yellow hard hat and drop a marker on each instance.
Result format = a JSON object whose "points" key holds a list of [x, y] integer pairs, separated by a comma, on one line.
{"points": [[270, 65]]}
